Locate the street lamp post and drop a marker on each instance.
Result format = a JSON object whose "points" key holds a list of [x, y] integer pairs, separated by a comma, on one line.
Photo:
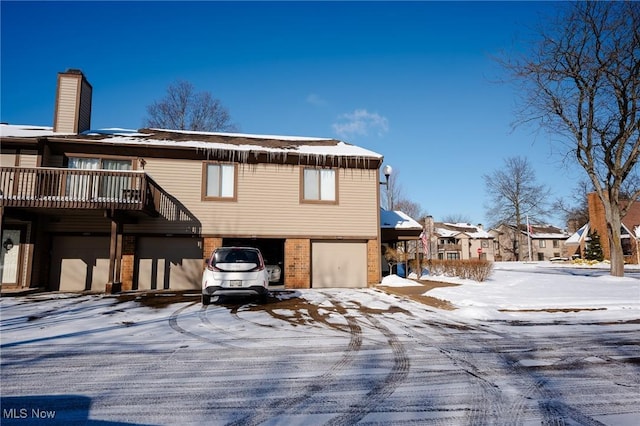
{"points": [[387, 170]]}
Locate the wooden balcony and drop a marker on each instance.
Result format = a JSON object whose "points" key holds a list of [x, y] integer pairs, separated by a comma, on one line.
{"points": [[57, 188], [449, 247]]}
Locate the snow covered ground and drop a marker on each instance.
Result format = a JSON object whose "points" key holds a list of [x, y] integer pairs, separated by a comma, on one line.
{"points": [[536, 343], [539, 287]]}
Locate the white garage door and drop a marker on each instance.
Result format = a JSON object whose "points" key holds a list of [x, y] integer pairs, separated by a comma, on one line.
{"points": [[79, 263], [341, 264], [168, 263]]}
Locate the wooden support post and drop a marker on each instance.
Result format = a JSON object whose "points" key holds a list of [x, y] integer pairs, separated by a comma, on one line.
{"points": [[115, 256]]}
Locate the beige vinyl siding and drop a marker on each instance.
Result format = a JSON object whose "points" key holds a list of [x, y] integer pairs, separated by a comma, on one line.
{"points": [[66, 112], [29, 158], [25, 158], [181, 179], [8, 158], [268, 202]]}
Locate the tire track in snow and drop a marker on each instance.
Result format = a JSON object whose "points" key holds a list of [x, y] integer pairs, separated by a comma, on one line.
{"points": [[173, 323], [282, 406], [383, 389], [552, 410], [487, 403]]}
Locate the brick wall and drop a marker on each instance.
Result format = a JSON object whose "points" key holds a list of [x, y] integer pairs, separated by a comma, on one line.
{"points": [[598, 222], [209, 244], [297, 263], [373, 263], [128, 261]]}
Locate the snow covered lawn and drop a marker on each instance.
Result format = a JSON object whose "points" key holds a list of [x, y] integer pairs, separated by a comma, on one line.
{"points": [[520, 290], [508, 355]]}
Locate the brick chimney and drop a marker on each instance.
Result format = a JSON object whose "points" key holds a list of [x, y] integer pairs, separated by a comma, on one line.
{"points": [[73, 103]]}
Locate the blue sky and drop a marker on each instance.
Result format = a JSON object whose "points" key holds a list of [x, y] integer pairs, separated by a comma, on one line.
{"points": [[413, 81]]}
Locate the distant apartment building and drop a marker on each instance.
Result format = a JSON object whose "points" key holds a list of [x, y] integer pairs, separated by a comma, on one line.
{"points": [[461, 241], [538, 243]]}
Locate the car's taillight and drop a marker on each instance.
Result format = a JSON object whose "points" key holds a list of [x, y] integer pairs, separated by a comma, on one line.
{"points": [[257, 268], [211, 267]]}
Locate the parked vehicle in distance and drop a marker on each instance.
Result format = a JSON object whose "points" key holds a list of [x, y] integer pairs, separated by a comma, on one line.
{"points": [[235, 271], [275, 272]]}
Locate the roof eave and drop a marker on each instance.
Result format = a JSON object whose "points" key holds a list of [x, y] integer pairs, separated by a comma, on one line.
{"points": [[256, 156]]}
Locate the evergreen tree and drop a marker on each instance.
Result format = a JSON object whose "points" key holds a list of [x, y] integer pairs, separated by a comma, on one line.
{"points": [[593, 251]]}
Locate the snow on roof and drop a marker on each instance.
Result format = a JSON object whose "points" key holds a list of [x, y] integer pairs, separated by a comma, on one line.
{"points": [[446, 233], [240, 142], [26, 131], [239, 135], [115, 131], [446, 230], [395, 219], [539, 231], [547, 232]]}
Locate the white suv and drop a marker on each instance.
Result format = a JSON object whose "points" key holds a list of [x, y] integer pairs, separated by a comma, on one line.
{"points": [[235, 271]]}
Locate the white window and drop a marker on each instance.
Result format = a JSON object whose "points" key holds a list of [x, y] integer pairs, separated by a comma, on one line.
{"points": [[84, 163], [543, 243], [98, 164], [88, 185], [220, 181], [319, 185]]}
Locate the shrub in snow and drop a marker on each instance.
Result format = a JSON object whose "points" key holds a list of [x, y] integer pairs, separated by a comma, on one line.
{"points": [[473, 269], [586, 262]]}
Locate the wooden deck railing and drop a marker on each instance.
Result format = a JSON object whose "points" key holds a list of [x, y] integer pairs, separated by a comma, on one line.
{"points": [[450, 247], [41, 187]]}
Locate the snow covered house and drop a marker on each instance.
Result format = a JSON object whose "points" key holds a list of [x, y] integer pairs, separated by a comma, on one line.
{"points": [[578, 241], [85, 210], [399, 230], [512, 243], [462, 241]]}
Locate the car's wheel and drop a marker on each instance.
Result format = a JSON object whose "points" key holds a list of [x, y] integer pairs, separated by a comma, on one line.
{"points": [[206, 299]]}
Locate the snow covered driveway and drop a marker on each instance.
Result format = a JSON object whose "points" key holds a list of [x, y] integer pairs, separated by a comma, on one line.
{"points": [[307, 357]]}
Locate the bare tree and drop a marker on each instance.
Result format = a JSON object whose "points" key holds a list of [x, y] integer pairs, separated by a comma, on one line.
{"points": [[456, 218], [411, 208], [393, 196], [185, 109], [515, 195], [575, 209], [393, 192], [580, 81]]}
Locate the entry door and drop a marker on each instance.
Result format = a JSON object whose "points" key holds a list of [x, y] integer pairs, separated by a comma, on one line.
{"points": [[10, 256]]}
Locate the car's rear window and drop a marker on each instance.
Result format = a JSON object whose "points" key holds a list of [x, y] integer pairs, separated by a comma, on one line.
{"points": [[236, 256]]}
